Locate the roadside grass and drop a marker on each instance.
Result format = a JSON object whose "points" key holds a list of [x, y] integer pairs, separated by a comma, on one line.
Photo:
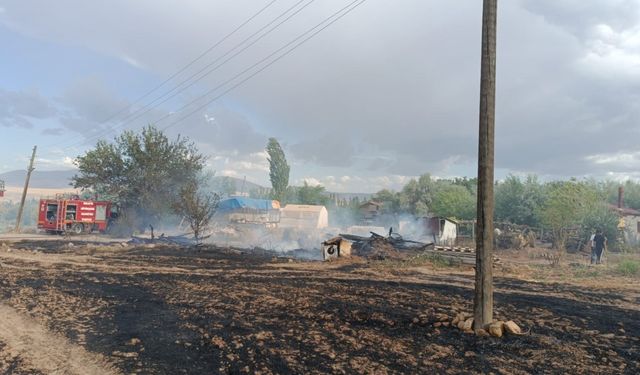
{"points": [[628, 267]]}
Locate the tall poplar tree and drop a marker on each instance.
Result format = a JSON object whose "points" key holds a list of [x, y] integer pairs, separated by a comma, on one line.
{"points": [[278, 170]]}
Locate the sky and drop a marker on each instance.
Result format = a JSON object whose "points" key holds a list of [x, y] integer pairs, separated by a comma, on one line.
{"points": [[386, 92]]}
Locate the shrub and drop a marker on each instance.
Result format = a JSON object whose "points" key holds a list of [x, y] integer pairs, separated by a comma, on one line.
{"points": [[628, 267]]}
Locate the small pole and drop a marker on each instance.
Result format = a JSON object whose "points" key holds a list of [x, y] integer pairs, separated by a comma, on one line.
{"points": [[24, 191], [483, 298]]}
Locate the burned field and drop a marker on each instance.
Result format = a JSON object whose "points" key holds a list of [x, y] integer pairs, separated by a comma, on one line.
{"points": [[171, 310]]}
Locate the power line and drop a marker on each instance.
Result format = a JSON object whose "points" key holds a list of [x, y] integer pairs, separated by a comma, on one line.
{"points": [[188, 65], [218, 59], [150, 107], [301, 39], [359, 2], [203, 54]]}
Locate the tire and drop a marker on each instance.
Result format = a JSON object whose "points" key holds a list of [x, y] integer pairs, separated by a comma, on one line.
{"points": [[77, 228]]}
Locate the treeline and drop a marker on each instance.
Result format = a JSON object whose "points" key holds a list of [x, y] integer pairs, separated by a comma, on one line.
{"points": [[557, 205]]}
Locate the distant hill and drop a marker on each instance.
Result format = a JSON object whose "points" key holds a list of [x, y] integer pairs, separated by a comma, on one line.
{"points": [[39, 179], [62, 180]]}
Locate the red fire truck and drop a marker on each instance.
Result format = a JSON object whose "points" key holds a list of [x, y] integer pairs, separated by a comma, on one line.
{"points": [[72, 214]]}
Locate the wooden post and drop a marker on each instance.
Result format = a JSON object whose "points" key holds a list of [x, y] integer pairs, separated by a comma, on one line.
{"points": [[483, 299], [24, 191]]}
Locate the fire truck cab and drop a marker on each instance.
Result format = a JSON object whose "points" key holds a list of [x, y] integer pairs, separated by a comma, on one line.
{"points": [[72, 214]]}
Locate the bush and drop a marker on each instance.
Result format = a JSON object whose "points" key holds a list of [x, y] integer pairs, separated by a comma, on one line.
{"points": [[628, 267]]}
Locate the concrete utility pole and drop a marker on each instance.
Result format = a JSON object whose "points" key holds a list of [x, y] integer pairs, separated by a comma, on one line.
{"points": [[24, 191], [483, 299]]}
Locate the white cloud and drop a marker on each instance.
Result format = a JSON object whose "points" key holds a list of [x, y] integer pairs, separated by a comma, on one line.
{"points": [[617, 160], [65, 162]]}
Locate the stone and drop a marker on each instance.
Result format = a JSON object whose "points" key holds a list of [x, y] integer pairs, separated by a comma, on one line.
{"points": [[512, 327], [467, 325], [495, 329]]}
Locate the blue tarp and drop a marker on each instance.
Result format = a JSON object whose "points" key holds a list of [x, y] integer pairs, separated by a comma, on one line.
{"points": [[238, 203]]}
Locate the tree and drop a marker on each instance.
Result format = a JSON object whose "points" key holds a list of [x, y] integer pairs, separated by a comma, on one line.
{"points": [[568, 203], [599, 216], [390, 200], [417, 196], [197, 208], [143, 173], [313, 195], [470, 184], [278, 170], [518, 201], [455, 201]]}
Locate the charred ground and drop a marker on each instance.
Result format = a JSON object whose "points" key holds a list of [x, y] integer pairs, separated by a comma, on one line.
{"points": [[186, 310]]}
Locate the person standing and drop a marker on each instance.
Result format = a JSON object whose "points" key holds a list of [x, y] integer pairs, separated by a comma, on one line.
{"points": [[599, 245]]}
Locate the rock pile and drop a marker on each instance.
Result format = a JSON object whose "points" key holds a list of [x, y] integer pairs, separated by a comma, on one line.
{"points": [[464, 322]]}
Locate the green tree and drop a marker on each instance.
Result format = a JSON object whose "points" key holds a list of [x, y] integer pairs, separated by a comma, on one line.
{"points": [[470, 184], [196, 207], [568, 203], [390, 200], [599, 216], [417, 196], [278, 170], [142, 173], [519, 201], [455, 201], [312, 195]]}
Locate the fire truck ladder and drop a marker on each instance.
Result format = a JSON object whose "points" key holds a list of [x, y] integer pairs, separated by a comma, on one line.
{"points": [[61, 216]]}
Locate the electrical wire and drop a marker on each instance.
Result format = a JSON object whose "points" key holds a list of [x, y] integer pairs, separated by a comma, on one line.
{"points": [[357, 4], [188, 65], [142, 111]]}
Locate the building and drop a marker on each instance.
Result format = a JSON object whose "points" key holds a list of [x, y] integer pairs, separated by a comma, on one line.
{"points": [[304, 217], [442, 230], [370, 211]]}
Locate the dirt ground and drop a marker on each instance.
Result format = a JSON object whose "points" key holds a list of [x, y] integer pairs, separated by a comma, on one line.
{"points": [[94, 309]]}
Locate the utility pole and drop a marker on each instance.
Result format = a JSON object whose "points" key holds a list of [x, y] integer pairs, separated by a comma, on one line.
{"points": [[24, 191], [483, 298]]}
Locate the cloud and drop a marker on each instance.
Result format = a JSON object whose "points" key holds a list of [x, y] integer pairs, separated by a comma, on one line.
{"points": [[223, 131], [328, 150], [90, 98], [390, 90], [65, 162], [54, 131], [20, 108]]}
